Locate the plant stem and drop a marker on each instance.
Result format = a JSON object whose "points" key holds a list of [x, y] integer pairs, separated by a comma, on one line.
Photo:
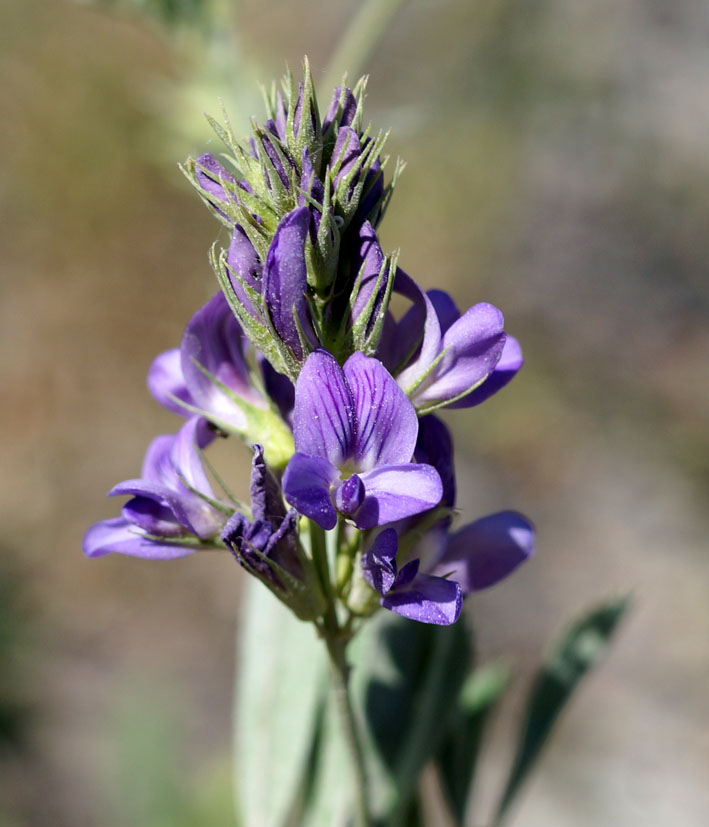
{"points": [[360, 40], [336, 647], [336, 639]]}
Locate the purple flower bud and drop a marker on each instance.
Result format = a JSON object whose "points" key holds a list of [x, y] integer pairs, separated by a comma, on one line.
{"points": [[344, 103], [211, 176], [285, 280]]}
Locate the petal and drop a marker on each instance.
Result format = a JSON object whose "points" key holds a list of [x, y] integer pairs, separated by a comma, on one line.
{"points": [[153, 517], [211, 176], [422, 316], [306, 486], [166, 382], [279, 388], [117, 535], [324, 414], [243, 261], [346, 154], [185, 456], [474, 345], [428, 600], [342, 108], [266, 501], [379, 563], [213, 342], [285, 279], [434, 446], [386, 422], [446, 309], [369, 263], [488, 550], [505, 370], [349, 495], [394, 492]]}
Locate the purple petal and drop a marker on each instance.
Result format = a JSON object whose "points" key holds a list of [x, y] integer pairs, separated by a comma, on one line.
{"points": [[213, 341], [279, 388], [434, 446], [324, 414], [157, 464], [266, 501], [117, 535], [186, 458], [243, 261], [211, 176], [153, 517], [349, 495], [285, 279], [370, 260], [379, 563], [474, 345], [166, 382], [422, 315], [395, 492], [428, 600], [407, 574], [346, 153], [488, 550], [505, 370], [311, 185], [342, 102], [387, 424], [446, 309], [306, 486]]}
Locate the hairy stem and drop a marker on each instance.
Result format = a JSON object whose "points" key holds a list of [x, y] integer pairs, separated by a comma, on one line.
{"points": [[336, 639], [336, 647]]}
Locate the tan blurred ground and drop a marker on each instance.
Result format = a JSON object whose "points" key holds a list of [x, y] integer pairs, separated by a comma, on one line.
{"points": [[558, 168]]}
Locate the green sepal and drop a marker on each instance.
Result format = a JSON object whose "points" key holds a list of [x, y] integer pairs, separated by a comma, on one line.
{"points": [[367, 330], [308, 128]]}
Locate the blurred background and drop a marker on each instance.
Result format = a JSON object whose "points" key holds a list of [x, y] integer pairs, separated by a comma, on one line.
{"points": [[557, 168]]}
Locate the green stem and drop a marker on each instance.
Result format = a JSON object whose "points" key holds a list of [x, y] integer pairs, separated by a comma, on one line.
{"points": [[360, 40], [336, 647], [336, 639]]}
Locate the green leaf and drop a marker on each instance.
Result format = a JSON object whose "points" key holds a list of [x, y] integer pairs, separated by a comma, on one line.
{"points": [[459, 751], [580, 649], [281, 675]]}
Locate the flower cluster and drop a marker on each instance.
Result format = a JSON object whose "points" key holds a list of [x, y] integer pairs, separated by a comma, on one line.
{"points": [[300, 355]]}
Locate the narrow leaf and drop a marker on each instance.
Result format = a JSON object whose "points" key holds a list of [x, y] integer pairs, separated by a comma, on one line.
{"points": [[579, 650]]}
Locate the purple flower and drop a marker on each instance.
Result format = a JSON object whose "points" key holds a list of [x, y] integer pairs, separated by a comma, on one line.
{"points": [[408, 592], [430, 587], [355, 433], [453, 354], [171, 501], [208, 373]]}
